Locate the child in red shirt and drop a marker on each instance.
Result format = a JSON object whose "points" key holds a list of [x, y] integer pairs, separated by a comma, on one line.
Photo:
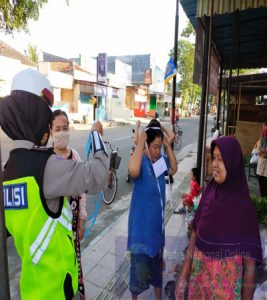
{"points": [[194, 191]]}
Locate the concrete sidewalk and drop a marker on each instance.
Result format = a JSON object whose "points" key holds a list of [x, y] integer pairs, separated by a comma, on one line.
{"points": [[103, 246], [106, 260]]}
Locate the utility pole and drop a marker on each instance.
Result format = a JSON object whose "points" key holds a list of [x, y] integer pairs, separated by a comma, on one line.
{"points": [[4, 283], [175, 60]]}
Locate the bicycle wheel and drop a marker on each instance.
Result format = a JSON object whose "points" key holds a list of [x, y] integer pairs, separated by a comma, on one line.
{"points": [[109, 192], [177, 143]]}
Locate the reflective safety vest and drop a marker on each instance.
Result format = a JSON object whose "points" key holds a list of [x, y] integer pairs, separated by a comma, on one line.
{"points": [[43, 240]]}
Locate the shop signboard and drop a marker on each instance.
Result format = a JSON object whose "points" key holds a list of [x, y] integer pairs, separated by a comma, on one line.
{"points": [[87, 88], [140, 98], [142, 90], [100, 90], [115, 93], [167, 98], [148, 76], [102, 62]]}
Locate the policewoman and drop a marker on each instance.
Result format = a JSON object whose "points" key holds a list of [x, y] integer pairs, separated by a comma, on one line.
{"points": [[36, 182]]}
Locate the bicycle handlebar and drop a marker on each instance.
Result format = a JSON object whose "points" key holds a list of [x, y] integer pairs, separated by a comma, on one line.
{"points": [[112, 149]]}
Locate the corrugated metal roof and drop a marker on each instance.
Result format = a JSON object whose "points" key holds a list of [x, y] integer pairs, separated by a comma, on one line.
{"points": [[252, 84], [199, 8], [227, 6], [240, 38], [240, 34], [7, 51], [48, 57], [190, 8]]}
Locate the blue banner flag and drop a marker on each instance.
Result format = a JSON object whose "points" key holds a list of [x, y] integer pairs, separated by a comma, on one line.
{"points": [[170, 71]]}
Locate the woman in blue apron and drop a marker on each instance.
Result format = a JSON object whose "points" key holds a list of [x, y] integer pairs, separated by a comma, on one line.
{"points": [[146, 234]]}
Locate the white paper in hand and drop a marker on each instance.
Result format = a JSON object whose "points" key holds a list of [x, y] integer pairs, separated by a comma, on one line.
{"points": [[159, 167]]}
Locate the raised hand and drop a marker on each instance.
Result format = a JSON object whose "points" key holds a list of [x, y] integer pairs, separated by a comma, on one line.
{"points": [[97, 126], [138, 124]]}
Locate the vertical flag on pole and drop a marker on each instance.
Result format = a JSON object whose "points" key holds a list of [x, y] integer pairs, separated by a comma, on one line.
{"points": [[170, 71]]}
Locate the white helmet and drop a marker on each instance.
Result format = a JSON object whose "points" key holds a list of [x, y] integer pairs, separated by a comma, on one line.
{"points": [[34, 82]]}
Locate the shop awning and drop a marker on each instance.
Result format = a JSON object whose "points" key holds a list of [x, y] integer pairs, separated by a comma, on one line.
{"points": [[221, 7], [240, 38], [251, 84], [199, 8], [239, 30], [190, 9]]}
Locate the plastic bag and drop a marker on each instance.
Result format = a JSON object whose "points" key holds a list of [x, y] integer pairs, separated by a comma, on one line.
{"points": [[216, 135], [261, 291], [196, 201], [254, 158]]}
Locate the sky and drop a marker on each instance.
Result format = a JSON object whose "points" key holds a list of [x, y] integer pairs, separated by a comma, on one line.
{"points": [[115, 27]]}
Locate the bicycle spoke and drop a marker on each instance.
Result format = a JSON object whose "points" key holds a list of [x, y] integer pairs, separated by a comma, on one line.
{"points": [[110, 191]]}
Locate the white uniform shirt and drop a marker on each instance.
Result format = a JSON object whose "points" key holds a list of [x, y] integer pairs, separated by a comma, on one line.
{"points": [[262, 163]]}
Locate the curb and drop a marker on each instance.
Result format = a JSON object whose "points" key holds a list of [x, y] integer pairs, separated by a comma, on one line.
{"points": [[114, 123], [118, 284], [106, 124]]}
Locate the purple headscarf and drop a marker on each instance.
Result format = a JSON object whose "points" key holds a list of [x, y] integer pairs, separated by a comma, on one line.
{"points": [[225, 222]]}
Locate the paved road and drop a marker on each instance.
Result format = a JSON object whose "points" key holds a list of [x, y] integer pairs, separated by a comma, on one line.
{"points": [[120, 137]]}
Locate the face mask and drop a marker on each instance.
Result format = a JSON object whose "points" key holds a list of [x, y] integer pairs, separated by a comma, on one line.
{"points": [[61, 139], [264, 132]]}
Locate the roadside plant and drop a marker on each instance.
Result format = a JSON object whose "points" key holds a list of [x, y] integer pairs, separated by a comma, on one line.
{"points": [[261, 208]]}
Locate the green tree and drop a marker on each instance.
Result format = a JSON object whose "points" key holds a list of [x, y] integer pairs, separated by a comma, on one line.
{"points": [[188, 31], [241, 72], [185, 66], [14, 14], [32, 53]]}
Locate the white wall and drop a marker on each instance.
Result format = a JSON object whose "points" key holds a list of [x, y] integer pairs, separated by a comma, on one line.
{"points": [[60, 80], [9, 67], [116, 107], [157, 80], [80, 75]]}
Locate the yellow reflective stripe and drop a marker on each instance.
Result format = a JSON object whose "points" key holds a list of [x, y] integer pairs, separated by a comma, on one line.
{"points": [[44, 245], [41, 236]]}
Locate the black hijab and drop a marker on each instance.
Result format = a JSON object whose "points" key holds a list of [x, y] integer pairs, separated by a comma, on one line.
{"points": [[25, 116]]}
